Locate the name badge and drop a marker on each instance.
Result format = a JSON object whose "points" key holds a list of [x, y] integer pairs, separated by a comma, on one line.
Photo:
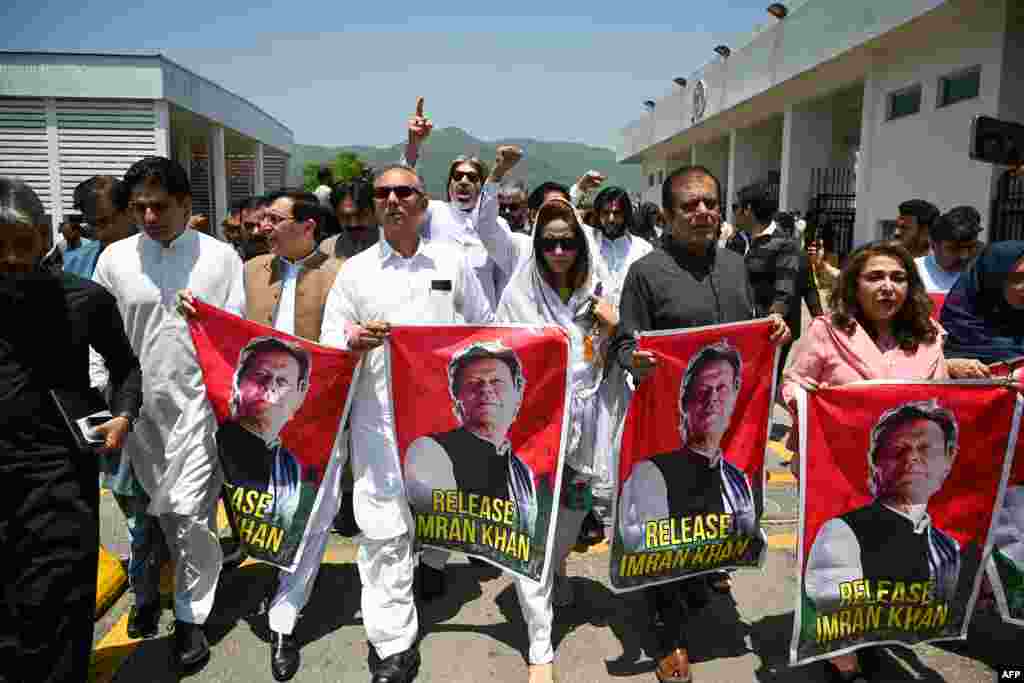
{"points": [[440, 285]]}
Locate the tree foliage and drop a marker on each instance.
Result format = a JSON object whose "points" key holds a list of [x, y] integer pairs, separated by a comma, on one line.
{"points": [[346, 166]]}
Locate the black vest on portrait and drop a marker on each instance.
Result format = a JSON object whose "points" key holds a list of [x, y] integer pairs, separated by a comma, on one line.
{"points": [[476, 468], [890, 549], [694, 487]]}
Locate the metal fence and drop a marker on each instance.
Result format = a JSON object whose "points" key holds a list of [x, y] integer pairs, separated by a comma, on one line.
{"points": [[833, 209], [1007, 219]]}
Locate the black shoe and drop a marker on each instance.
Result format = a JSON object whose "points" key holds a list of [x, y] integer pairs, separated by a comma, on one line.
{"points": [[190, 645], [284, 655], [144, 621], [432, 584], [399, 668]]}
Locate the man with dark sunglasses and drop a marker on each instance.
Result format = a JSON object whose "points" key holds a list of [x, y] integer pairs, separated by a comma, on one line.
{"points": [[471, 208], [403, 279]]}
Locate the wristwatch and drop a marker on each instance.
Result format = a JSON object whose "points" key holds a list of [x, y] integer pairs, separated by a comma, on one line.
{"points": [[130, 418]]}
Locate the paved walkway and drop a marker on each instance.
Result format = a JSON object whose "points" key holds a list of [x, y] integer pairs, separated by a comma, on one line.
{"points": [[476, 632]]}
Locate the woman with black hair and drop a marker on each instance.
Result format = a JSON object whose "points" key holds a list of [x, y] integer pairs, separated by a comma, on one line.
{"points": [[562, 285]]}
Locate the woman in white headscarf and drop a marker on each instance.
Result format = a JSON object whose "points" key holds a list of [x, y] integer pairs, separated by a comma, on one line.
{"points": [[561, 284]]}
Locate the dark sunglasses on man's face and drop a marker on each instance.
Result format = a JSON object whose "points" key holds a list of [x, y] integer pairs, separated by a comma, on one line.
{"points": [[471, 176], [401, 191], [566, 243]]}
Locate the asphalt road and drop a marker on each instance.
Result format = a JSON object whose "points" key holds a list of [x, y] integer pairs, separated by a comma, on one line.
{"points": [[476, 633]]}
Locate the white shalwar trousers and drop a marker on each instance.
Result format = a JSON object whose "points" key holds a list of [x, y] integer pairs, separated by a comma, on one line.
{"points": [[389, 609], [535, 598], [195, 549]]}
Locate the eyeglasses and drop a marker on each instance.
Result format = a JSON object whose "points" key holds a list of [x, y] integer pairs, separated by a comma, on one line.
{"points": [[691, 205], [275, 218], [566, 243], [251, 225], [382, 193], [508, 208], [471, 176]]}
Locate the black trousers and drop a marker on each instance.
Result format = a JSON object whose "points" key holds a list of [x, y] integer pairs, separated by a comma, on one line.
{"points": [[675, 603], [49, 532]]}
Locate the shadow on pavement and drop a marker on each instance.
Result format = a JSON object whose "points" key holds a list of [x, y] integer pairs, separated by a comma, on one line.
{"points": [[990, 641]]}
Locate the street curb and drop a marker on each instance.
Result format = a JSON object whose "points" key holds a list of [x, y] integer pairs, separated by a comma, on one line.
{"points": [[111, 582]]}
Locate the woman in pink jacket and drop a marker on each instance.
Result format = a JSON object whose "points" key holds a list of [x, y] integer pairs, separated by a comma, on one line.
{"points": [[880, 328]]}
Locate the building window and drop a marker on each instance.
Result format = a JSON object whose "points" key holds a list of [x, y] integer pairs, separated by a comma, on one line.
{"points": [[650, 180], [906, 102], [959, 86]]}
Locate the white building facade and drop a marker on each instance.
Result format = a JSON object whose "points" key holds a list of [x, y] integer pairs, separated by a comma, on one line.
{"points": [[65, 117], [848, 108]]}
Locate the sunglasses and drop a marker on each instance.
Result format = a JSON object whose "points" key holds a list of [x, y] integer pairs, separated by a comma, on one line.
{"points": [[511, 207], [692, 205], [401, 191], [566, 243], [471, 176]]}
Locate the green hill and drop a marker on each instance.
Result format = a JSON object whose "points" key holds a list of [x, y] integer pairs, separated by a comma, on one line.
{"points": [[560, 161]]}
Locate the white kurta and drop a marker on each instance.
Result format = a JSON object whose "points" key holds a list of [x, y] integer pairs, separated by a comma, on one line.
{"points": [[172, 446], [380, 284], [447, 223]]}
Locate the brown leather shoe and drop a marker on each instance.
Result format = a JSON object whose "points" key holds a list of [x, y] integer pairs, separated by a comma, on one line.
{"points": [[675, 667]]}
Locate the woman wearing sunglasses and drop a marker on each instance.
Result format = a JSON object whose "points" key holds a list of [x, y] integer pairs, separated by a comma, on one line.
{"points": [[562, 285]]}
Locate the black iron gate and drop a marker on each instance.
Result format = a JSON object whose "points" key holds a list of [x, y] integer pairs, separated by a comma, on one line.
{"points": [[1007, 220], [833, 209]]}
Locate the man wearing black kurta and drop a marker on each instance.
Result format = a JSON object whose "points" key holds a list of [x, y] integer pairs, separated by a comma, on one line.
{"points": [[688, 283], [49, 517]]}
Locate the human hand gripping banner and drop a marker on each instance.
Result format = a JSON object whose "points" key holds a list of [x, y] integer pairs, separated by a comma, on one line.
{"points": [[898, 487], [691, 465], [480, 422], [279, 401], [1006, 570]]}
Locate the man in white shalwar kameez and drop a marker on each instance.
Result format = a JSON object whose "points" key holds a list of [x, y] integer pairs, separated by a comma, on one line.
{"points": [[403, 279], [172, 446]]}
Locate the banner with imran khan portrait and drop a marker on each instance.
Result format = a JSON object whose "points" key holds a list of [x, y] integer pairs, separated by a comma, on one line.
{"points": [[279, 402], [691, 464], [480, 422], [899, 484]]}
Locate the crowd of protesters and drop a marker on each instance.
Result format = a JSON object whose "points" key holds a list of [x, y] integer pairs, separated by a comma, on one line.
{"points": [[332, 266]]}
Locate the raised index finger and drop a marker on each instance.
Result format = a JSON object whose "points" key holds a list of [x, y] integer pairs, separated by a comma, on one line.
{"points": [[419, 107]]}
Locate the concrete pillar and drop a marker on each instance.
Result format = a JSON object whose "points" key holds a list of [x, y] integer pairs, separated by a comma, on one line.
{"points": [[865, 229], [807, 143], [218, 175], [53, 155], [257, 185], [162, 130], [785, 202], [183, 145]]}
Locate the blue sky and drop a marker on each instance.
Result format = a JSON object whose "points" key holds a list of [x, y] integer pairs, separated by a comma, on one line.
{"points": [[348, 72]]}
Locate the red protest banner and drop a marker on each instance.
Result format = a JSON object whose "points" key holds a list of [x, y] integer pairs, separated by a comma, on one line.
{"points": [[279, 401], [899, 482], [691, 469], [481, 464]]}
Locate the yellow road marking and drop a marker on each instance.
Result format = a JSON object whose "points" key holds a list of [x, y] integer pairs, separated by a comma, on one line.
{"points": [[781, 478], [782, 541]]}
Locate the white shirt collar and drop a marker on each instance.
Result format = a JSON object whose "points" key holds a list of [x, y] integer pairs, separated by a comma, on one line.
{"points": [[920, 521], [385, 251]]}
